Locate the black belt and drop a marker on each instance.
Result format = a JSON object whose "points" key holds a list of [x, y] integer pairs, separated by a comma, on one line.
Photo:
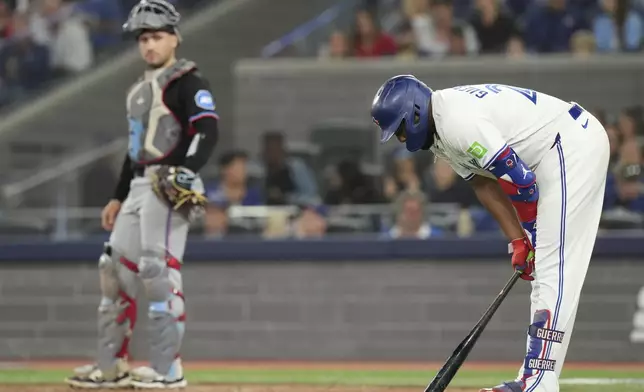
{"points": [[139, 171]]}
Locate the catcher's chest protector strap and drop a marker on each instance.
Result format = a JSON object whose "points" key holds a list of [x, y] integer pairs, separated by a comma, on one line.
{"points": [[177, 70]]}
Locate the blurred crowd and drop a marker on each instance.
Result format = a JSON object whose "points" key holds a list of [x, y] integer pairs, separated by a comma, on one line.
{"points": [[422, 197], [441, 28], [44, 40]]}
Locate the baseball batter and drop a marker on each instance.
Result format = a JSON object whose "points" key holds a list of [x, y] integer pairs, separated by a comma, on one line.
{"points": [[550, 157], [172, 133]]}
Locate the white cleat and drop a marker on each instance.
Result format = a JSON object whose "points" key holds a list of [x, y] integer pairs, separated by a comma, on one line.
{"points": [[147, 378], [91, 377]]}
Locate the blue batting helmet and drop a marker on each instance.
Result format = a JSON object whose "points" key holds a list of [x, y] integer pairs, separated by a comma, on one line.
{"points": [[401, 107]]}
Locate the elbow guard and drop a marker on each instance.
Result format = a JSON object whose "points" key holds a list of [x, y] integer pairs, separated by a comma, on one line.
{"points": [[508, 167]]}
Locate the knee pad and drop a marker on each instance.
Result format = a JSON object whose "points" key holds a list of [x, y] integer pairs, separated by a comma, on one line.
{"points": [[153, 271]]}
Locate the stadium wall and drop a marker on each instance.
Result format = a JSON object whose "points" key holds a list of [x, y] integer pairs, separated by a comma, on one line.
{"points": [[298, 96], [322, 307]]}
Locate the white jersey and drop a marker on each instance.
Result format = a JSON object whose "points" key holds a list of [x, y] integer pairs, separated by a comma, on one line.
{"points": [[475, 123]]}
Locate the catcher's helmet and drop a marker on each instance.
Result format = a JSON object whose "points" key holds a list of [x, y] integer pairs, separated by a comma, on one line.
{"points": [[401, 107], [156, 15]]}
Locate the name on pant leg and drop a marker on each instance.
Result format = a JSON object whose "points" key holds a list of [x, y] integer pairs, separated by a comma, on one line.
{"points": [[541, 364], [550, 335]]}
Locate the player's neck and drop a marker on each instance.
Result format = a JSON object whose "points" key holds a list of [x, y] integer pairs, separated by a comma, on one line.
{"points": [[152, 73]]}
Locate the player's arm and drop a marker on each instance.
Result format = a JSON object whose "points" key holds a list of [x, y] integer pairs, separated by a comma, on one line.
{"points": [[482, 142], [199, 106], [123, 185], [492, 197]]}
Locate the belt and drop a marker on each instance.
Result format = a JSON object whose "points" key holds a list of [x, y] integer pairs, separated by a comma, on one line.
{"points": [[575, 111], [139, 171]]}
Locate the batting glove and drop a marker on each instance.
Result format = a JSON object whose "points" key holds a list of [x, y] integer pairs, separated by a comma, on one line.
{"points": [[523, 257]]}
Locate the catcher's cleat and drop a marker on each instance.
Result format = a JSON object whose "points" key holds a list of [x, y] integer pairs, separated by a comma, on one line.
{"points": [[147, 378], [91, 377], [511, 386]]}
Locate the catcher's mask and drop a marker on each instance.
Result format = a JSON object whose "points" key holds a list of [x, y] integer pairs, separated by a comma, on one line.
{"points": [[153, 15]]}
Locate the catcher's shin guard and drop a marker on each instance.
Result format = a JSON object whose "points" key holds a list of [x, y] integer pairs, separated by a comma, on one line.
{"points": [[116, 316], [162, 281]]}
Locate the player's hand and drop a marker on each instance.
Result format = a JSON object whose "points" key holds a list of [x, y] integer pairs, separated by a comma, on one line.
{"points": [[108, 216], [523, 257]]}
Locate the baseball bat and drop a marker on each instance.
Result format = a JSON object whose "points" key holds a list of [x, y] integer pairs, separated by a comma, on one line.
{"points": [[455, 361]]}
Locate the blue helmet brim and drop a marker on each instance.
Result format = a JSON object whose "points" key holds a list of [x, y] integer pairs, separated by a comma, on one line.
{"points": [[389, 131]]}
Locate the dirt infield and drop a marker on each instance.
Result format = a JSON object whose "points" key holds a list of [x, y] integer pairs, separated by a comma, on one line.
{"points": [[234, 388]]}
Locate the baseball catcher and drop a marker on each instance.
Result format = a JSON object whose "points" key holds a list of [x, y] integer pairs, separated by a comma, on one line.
{"points": [[172, 133]]}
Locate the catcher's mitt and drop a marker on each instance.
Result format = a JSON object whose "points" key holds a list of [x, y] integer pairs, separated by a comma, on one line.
{"points": [[174, 186]]}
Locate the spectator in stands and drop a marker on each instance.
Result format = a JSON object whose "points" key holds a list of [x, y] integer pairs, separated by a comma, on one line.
{"points": [[515, 48], [441, 29], [216, 218], [549, 27], [445, 186], [615, 145], [493, 26], [457, 44], [57, 26], [410, 211], [24, 65], [337, 47], [406, 42], [618, 27], [583, 44], [233, 181], [518, 8], [369, 40], [349, 185], [311, 222], [104, 18], [287, 180], [624, 189], [6, 25], [404, 175]]}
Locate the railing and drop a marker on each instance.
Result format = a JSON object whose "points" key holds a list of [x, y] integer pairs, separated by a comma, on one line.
{"points": [[305, 39], [65, 223]]}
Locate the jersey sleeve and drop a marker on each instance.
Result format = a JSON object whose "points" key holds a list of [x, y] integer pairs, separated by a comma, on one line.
{"points": [[197, 98], [199, 106], [461, 171], [476, 139]]}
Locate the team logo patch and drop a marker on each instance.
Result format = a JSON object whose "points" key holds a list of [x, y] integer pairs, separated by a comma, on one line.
{"points": [[477, 150], [540, 364], [509, 163], [204, 100]]}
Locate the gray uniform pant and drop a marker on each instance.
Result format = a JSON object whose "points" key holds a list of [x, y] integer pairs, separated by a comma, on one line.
{"points": [[148, 243]]}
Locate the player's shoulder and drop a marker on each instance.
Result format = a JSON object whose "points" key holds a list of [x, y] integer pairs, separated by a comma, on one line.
{"points": [[194, 77], [451, 108]]}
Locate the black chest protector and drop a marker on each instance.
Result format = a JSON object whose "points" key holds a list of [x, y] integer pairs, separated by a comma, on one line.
{"points": [[153, 128]]}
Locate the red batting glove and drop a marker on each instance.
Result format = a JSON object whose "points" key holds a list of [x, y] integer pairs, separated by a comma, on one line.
{"points": [[523, 257]]}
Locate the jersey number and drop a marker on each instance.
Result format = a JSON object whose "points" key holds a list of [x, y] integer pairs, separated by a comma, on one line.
{"points": [[530, 94]]}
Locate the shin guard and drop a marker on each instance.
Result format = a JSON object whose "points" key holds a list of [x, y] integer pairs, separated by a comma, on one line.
{"points": [[166, 312]]}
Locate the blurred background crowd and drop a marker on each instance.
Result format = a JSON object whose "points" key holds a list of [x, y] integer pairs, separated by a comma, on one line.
{"points": [[42, 41], [413, 196], [410, 29]]}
